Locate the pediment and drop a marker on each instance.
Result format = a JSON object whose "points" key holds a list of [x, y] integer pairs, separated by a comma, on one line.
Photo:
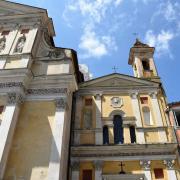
{"points": [[118, 80], [10, 8]]}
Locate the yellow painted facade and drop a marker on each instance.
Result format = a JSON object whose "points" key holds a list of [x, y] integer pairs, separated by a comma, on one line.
{"points": [[30, 151]]}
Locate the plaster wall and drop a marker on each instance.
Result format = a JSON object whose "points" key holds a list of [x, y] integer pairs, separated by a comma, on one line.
{"points": [[30, 150], [107, 108]]}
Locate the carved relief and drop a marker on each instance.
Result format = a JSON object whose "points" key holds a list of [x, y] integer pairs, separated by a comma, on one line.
{"points": [[75, 165], [169, 163], [46, 91], [145, 164], [2, 44], [20, 44], [14, 98], [57, 54], [61, 103], [116, 102]]}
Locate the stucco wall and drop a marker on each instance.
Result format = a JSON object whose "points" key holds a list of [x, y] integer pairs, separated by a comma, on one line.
{"points": [[30, 151]]}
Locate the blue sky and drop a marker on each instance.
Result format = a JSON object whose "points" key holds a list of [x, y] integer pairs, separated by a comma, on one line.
{"points": [[101, 31]]}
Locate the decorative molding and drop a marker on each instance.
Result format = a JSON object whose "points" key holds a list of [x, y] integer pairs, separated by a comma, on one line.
{"points": [[47, 91], [11, 84], [13, 98], [75, 165], [145, 164], [98, 165], [134, 95], [169, 163], [153, 95], [61, 103], [98, 96]]}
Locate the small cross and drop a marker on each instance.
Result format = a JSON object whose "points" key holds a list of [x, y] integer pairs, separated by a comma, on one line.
{"points": [[115, 68], [122, 171]]}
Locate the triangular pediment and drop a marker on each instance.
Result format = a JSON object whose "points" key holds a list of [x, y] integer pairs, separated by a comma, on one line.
{"points": [[118, 80], [10, 8]]}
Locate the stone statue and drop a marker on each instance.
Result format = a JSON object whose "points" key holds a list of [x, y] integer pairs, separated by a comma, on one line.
{"points": [[2, 44], [20, 45]]}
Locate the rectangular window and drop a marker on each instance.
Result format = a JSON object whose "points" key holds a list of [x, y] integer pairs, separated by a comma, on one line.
{"points": [[158, 173], [4, 33], [87, 174], [144, 100], [88, 102], [24, 31], [177, 118]]}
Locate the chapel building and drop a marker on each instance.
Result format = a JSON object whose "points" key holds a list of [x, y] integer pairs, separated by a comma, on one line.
{"points": [[56, 126]]}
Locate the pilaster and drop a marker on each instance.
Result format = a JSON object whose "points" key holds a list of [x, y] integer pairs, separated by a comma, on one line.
{"points": [[170, 169], [77, 123], [75, 168], [137, 114], [7, 127], [98, 135], [57, 151], [98, 169], [146, 166]]}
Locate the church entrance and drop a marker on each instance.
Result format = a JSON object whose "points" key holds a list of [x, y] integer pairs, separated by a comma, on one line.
{"points": [[118, 130]]}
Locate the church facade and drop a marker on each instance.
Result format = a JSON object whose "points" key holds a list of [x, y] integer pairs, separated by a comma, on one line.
{"points": [[56, 126]]}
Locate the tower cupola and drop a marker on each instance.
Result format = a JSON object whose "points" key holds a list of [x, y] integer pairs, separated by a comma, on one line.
{"points": [[142, 60]]}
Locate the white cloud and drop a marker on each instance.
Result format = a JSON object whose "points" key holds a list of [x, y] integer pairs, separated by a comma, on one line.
{"points": [[85, 70], [94, 13], [118, 2], [160, 41], [168, 10], [94, 45]]}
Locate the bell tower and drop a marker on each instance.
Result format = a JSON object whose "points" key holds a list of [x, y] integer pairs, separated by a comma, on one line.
{"points": [[142, 61]]}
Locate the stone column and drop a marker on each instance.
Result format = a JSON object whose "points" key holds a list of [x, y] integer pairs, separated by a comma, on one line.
{"points": [[78, 114], [57, 150], [7, 128], [158, 117], [98, 170], [98, 135], [170, 169], [137, 114], [75, 168], [145, 164]]}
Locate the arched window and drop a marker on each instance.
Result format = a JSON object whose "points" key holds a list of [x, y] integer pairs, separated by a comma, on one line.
{"points": [[105, 135], [132, 134], [145, 64], [118, 130], [147, 116]]}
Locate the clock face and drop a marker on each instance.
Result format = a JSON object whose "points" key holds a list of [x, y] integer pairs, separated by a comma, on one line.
{"points": [[116, 102]]}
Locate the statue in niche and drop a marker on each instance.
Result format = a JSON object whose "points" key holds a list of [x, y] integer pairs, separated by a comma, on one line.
{"points": [[20, 45], [2, 44]]}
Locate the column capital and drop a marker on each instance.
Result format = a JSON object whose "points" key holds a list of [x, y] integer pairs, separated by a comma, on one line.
{"points": [[145, 164], [61, 103], [98, 164], [13, 98], [134, 95], [98, 96], [75, 164], [153, 95], [169, 163]]}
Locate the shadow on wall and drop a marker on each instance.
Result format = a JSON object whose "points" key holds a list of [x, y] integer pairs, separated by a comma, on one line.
{"points": [[30, 151]]}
